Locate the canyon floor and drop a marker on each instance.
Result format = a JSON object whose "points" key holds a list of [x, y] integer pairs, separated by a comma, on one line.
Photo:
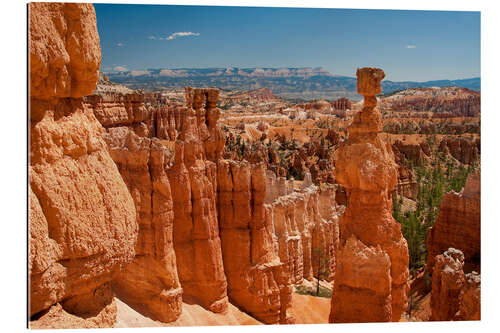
{"points": [[306, 310]]}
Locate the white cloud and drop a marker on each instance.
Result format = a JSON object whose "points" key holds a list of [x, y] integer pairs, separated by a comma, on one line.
{"points": [[181, 34], [119, 44], [152, 37], [120, 69], [411, 46]]}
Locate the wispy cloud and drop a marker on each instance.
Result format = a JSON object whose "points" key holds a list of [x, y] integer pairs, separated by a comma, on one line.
{"points": [[181, 34], [120, 69], [411, 46], [152, 37], [119, 44]]}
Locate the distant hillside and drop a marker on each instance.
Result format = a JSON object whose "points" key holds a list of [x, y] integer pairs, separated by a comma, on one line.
{"points": [[289, 83], [455, 101]]}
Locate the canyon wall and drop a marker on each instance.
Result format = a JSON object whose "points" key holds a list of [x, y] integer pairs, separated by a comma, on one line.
{"points": [[150, 283], [371, 279], [258, 282], [193, 178], [470, 298], [465, 150], [270, 232], [306, 226], [460, 102], [161, 150], [82, 220], [458, 224]]}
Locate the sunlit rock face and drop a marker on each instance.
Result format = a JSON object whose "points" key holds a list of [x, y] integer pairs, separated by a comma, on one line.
{"points": [[82, 219], [258, 281], [448, 280], [368, 232], [161, 150]]}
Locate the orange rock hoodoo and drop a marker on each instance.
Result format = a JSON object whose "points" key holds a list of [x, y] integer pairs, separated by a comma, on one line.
{"points": [[455, 295], [193, 179], [150, 282], [144, 206], [342, 104], [447, 281], [257, 280], [82, 221], [174, 260], [268, 232], [371, 279]]}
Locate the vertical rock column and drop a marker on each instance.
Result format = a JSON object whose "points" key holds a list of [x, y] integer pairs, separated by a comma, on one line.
{"points": [[447, 282], [82, 220], [455, 295], [150, 282], [193, 180], [258, 282], [371, 280]]}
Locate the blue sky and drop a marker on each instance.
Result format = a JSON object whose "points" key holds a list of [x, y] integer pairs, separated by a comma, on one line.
{"points": [[408, 45]]}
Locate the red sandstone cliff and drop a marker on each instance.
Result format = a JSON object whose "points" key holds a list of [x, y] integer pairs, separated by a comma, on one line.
{"points": [[150, 282], [458, 224], [269, 232], [82, 221], [257, 280], [371, 280], [464, 150], [470, 298], [180, 260], [193, 179], [342, 104]]}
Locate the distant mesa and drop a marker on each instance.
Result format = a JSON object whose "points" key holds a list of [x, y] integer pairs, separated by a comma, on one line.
{"points": [[290, 83]]}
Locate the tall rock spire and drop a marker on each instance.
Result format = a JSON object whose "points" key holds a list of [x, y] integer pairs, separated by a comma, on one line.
{"points": [[371, 281]]}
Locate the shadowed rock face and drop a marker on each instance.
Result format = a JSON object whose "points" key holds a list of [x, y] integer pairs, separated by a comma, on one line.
{"points": [[368, 232], [458, 224], [470, 297], [82, 221]]}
